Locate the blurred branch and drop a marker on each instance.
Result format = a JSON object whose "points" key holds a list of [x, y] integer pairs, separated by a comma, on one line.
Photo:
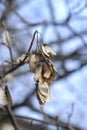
{"points": [[60, 124], [51, 122], [76, 34], [7, 10], [11, 70], [67, 73], [42, 23], [12, 118], [51, 9], [44, 122], [22, 63], [75, 7]]}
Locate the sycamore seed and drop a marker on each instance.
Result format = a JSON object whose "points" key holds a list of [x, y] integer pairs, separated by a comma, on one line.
{"points": [[43, 93], [34, 59]]}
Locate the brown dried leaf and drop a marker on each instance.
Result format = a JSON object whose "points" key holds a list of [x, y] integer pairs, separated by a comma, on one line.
{"points": [[43, 93], [52, 76], [48, 72], [34, 59], [44, 72], [5, 37], [38, 74], [47, 50]]}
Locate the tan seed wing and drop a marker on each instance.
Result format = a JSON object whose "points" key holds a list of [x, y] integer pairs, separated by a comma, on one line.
{"points": [[46, 71], [38, 74], [44, 90], [34, 59], [43, 93], [5, 37]]}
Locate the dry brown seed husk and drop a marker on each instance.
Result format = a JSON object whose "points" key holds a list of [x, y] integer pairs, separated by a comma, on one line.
{"points": [[44, 72], [33, 61], [38, 74], [48, 72], [43, 93], [5, 37]]}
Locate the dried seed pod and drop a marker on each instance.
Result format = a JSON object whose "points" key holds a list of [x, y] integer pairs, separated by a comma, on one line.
{"points": [[48, 72], [5, 37], [43, 92], [52, 76], [38, 74], [47, 50], [3, 98], [34, 59], [44, 72], [21, 58]]}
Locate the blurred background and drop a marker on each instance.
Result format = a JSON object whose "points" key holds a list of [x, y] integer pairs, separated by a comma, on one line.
{"points": [[62, 24]]}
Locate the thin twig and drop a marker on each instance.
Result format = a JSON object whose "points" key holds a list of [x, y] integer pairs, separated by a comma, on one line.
{"points": [[31, 44], [7, 10], [60, 124], [57, 123], [70, 114], [14, 63], [11, 56], [11, 70], [36, 32], [12, 118]]}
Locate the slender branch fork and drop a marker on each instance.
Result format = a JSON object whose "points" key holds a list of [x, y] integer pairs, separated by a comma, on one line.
{"points": [[9, 111], [36, 32], [22, 63], [52, 123], [55, 123], [12, 117]]}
